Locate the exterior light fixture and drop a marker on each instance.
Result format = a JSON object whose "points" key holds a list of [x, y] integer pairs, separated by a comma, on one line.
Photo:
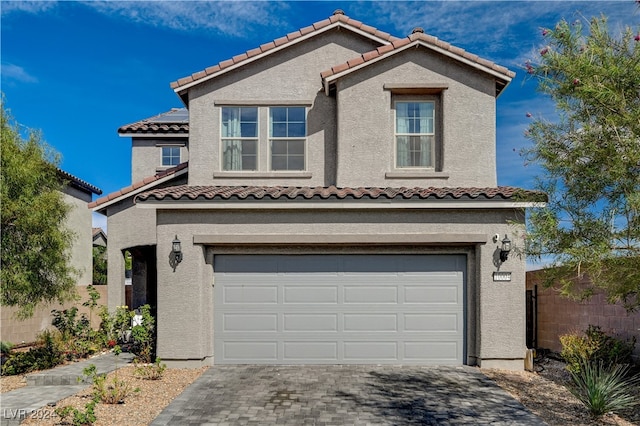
{"points": [[505, 249], [177, 249]]}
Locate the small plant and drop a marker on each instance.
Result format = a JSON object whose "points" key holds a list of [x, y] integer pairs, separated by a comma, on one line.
{"points": [[115, 391], [150, 371], [5, 347], [595, 346], [143, 335], [80, 417], [603, 388]]}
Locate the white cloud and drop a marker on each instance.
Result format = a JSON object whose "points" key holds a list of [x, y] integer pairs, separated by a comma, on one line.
{"points": [[33, 7], [16, 73], [231, 18]]}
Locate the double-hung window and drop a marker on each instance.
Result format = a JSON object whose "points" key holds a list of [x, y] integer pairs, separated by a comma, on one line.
{"points": [[415, 134], [170, 156], [239, 138], [287, 135]]}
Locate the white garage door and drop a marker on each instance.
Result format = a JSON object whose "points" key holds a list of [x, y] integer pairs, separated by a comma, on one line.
{"points": [[339, 309]]}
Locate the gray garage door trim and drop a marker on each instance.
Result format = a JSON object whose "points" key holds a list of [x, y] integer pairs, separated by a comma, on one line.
{"points": [[339, 309]]}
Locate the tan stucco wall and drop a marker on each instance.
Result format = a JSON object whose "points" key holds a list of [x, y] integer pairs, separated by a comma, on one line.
{"points": [[292, 75], [495, 317], [366, 147], [79, 221], [146, 155], [26, 331]]}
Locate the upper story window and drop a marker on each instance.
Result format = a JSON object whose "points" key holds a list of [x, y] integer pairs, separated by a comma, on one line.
{"points": [[287, 132], [170, 156], [415, 134], [239, 138]]}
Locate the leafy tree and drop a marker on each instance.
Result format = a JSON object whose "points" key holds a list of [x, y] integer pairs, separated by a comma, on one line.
{"points": [[99, 265], [35, 241], [590, 159]]}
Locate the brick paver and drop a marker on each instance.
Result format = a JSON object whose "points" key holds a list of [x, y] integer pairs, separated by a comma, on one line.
{"points": [[344, 395]]}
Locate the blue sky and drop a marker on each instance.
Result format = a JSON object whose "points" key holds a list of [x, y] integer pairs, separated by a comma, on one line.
{"points": [[79, 70]]}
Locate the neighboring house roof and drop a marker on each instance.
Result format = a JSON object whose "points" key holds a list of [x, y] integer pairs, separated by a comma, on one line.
{"points": [[185, 192], [417, 38], [337, 20], [98, 233], [142, 185], [79, 183], [175, 121]]}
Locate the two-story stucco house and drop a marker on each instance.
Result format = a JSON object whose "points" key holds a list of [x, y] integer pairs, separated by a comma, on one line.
{"points": [[335, 200]]}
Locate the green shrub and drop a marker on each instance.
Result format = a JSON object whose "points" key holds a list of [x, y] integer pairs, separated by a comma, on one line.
{"points": [[603, 388], [115, 391], [595, 346], [5, 347], [80, 418], [144, 336], [47, 354], [150, 371]]}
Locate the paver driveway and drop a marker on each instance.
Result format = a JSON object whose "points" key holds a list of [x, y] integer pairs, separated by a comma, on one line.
{"points": [[344, 395]]}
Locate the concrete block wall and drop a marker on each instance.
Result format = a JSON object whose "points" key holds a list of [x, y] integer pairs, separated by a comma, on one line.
{"points": [[559, 315], [26, 331]]}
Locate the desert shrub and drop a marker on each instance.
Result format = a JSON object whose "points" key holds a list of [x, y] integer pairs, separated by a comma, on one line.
{"points": [[78, 340], [78, 417], [604, 388], [114, 391], [5, 347], [46, 354], [595, 346], [150, 371]]}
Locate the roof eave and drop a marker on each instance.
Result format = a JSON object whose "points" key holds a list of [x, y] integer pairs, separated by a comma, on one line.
{"points": [[181, 90]]}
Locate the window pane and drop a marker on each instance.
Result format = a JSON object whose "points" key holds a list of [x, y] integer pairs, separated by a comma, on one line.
{"points": [[279, 147], [278, 162], [296, 163], [296, 114], [170, 155], [279, 114], [414, 151], [415, 117], [296, 147], [279, 130], [248, 130], [296, 130], [239, 155], [249, 114], [249, 162], [239, 122]]}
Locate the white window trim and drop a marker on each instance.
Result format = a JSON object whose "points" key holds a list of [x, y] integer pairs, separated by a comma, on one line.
{"points": [[303, 139], [434, 134], [162, 147], [223, 139]]}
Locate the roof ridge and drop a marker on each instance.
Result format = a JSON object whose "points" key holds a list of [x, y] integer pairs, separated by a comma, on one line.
{"points": [[393, 47], [289, 38]]}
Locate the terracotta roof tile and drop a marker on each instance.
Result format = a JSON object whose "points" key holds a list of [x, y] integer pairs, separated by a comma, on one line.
{"points": [[239, 58], [210, 193], [175, 121], [139, 184], [74, 180], [283, 41], [414, 38]]}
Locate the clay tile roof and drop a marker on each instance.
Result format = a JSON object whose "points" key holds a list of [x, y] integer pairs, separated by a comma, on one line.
{"points": [[174, 121], [139, 184], [414, 38], [289, 38], [211, 193], [76, 181]]}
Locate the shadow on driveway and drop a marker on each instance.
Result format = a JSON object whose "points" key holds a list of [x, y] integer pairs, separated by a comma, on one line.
{"points": [[345, 395]]}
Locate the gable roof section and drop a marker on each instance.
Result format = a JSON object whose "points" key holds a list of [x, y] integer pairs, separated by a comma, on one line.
{"points": [[418, 38], [174, 122], [284, 193], [145, 184], [337, 20], [79, 183]]}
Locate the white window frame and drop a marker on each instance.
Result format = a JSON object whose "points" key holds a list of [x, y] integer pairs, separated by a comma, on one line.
{"points": [[303, 139], [162, 156], [432, 134], [225, 138]]}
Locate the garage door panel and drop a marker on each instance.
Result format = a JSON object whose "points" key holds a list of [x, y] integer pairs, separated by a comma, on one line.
{"points": [[310, 351], [311, 294], [388, 309], [310, 322], [253, 294], [370, 294], [370, 322]]}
